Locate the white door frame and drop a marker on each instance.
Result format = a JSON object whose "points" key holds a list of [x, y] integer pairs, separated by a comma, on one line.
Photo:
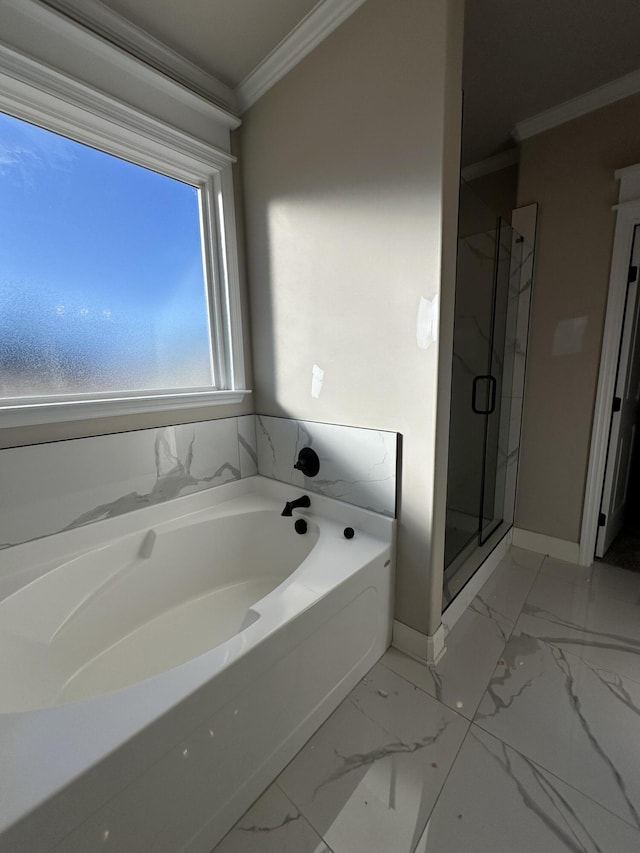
{"points": [[628, 216]]}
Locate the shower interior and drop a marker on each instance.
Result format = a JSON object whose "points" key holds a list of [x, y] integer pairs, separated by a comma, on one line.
{"points": [[493, 284]]}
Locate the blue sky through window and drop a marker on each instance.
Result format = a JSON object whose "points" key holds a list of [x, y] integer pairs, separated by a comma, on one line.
{"points": [[101, 276]]}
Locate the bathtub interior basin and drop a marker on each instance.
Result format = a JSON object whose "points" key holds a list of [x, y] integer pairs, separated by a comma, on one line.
{"points": [[141, 605]]}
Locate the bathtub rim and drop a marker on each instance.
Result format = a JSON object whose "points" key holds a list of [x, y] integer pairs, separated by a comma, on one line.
{"points": [[42, 555]]}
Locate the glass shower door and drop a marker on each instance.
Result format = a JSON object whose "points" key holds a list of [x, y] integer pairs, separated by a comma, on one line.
{"points": [[469, 388], [480, 441], [498, 439]]}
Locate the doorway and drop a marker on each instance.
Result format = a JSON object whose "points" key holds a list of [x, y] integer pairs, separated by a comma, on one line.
{"points": [[609, 474], [618, 536]]}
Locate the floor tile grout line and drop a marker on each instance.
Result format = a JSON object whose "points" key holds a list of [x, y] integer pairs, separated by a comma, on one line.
{"points": [[430, 666], [583, 630], [505, 560], [302, 815], [281, 789], [540, 766], [558, 576], [495, 666], [453, 710], [519, 614], [489, 619], [411, 684], [414, 687], [579, 658], [472, 721], [442, 787], [526, 598], [479, 725]]}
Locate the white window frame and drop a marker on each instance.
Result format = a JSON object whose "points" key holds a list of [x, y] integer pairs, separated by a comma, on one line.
{"points": [[41, 95]]}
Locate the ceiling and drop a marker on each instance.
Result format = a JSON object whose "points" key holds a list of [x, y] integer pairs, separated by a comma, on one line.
{"points": [[226, 38], [524, 56], [521, 57]]}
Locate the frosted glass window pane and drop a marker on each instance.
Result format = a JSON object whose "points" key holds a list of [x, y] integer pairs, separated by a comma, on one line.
{"points": [[102, 286]]}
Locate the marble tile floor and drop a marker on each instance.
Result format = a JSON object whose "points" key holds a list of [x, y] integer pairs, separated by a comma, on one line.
{"points": [[524, 739]]}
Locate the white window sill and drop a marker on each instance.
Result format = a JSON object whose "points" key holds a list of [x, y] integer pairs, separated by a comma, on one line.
{"points": [[58, 411]]}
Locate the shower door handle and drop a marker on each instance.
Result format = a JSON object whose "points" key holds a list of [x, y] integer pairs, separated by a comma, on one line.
{"points": [[491, 407]]}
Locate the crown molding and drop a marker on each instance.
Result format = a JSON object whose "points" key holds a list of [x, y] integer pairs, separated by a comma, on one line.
{"points": [[120, 32], [117, 30], [490, 165], [43, 95], [609, 93], [318, 24]]}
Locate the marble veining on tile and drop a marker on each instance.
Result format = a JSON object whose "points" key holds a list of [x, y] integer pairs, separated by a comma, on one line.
{"points": [[474, 645], [496, 799], [59, 486], [559, 711], [247, 445], [550, 762], [368, 779], [503, 595], [356, 465], [597, 625], [272, 825], [173, 478]]}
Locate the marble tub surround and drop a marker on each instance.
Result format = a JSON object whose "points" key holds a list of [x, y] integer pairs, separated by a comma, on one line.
{"points": [[549, 758], [48, 488], [357, 465], [247, 445]]}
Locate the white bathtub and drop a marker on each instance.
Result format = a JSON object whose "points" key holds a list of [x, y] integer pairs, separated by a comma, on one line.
{"points": [[159, 669]]}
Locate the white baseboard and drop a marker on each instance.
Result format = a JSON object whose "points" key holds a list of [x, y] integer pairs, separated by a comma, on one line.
{"points": [[560, 549], [473, 586], [423, 647]]}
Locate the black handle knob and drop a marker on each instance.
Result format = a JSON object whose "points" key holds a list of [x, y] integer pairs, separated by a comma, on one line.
{"points": [[300, 526], [308, 462], [349, 533]]}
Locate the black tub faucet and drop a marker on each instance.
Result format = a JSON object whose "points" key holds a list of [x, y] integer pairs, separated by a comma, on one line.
{"points": [[303, 502]]}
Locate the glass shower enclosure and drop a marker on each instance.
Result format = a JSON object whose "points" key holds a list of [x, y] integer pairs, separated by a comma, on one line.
{"points": [[485, 406]]}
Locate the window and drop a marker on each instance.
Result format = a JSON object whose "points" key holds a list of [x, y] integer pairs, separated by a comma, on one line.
{"points": [[118, 268], [102, 281]]}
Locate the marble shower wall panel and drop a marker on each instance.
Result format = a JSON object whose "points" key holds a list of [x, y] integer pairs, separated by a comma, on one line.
{"points": [[519, 305], [247, 445], [521, 291], [356, 465], [52, 487]]}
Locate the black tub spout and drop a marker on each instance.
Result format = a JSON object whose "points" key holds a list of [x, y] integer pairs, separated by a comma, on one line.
{"points": [[299, 503]]}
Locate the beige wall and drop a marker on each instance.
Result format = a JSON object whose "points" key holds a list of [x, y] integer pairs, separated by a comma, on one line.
{"points": [[569, 171], [344, 163]]}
